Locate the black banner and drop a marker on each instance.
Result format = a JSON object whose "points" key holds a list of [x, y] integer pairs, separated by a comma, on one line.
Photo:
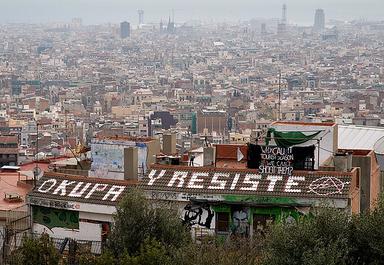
{"points": [[280, 160]]}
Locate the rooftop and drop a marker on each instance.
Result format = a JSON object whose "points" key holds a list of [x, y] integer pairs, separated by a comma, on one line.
{"points": [[359, 137], [232, 181], [70, 188], [9, 185]]}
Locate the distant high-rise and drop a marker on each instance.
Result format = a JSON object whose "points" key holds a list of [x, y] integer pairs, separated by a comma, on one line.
{"points": [[263, 28], [319, 24], [125, 29], [141, 16], [282, 26], [161, 26], [284, 14], [171, 26]]}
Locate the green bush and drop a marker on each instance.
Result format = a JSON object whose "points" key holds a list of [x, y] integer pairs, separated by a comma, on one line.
{"points": [[137, 220], [34, 251]]}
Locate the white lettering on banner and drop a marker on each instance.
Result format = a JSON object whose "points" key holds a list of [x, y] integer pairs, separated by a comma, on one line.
{"points": [[195, 179], [273, 180], [75, 193], [275, 150], [217, 184], [114, 190], [276, 160], [180, 176], [253, 180], [53, 181], [62, 187], [79, 189], [292, 181], [244, 181], [97, 187], [152, 174], [234, 182]]}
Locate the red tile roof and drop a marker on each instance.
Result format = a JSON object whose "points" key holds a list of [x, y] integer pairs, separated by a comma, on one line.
{"points": [[8, 139], [229, 151], [56, 186], [222, 181], [8, 151]]}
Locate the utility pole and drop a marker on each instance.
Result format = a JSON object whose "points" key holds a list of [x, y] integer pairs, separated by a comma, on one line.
{"points": [[279, 110], [37, 155]]}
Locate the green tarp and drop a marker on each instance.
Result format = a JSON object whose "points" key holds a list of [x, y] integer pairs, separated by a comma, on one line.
{"points": [[51, 217], [288, 139]]}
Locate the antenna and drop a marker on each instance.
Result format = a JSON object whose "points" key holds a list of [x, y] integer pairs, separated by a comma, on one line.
{"points": [[141, 16], [284, 15], [173, 15], [279, 112]]}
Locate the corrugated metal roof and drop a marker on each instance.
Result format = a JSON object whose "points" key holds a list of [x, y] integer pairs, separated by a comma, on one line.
{"points": [[358, 137]]}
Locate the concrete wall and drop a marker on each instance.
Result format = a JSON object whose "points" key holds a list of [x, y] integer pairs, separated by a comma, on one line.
{"points": [[108, 158], [169, 143], [375, 179], [364, 163], [354, 200], [87, 230], [153, 148], [130, 162]]}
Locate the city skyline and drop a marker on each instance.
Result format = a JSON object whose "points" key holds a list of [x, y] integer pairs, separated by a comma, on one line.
{"points": [[114, 11]]}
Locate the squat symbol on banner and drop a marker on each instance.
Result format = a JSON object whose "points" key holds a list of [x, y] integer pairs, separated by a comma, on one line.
{"points": [[326, 186]]}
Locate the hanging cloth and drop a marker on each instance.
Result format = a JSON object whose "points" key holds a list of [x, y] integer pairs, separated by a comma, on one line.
{"points": [[288, 139]]}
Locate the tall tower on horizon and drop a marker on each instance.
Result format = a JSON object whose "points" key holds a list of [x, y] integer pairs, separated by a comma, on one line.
{"points": [[171, 23], [263, 29], [284, 15], [125, 29], [141, 16], [282, 25], [319, 24]]}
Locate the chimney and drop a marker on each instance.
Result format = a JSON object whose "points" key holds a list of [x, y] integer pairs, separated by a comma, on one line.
{"points": [[343, 162], [131, 163], [169, 143], [209, 156], [349, 161]]}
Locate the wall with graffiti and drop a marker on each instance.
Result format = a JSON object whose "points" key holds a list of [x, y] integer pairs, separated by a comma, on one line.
{"points": [[241, 220], [108, 157], [199, 215], [85, 226]]}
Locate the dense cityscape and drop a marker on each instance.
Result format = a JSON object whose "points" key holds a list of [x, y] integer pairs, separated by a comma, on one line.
{"points": [[238, 125]]}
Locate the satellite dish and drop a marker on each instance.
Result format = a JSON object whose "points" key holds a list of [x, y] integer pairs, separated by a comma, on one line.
{"points": [[379, 146], [37, 172]]}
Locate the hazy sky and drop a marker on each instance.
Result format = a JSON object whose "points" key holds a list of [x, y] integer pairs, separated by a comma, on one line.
{"points": [[100, 11]]}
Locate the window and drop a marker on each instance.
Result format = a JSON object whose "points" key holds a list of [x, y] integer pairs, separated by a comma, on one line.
{"points": [[222, 222], [261, 222]]}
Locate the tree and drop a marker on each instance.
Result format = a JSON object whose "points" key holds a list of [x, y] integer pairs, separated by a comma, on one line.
{"points": [[34, 251], [151, 252], [243, 251], [367, 236], [138, 220], [321, 239]]}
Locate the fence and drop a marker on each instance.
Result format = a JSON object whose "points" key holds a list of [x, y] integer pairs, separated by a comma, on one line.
{"points": [[65, 246], [18, 220]]}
